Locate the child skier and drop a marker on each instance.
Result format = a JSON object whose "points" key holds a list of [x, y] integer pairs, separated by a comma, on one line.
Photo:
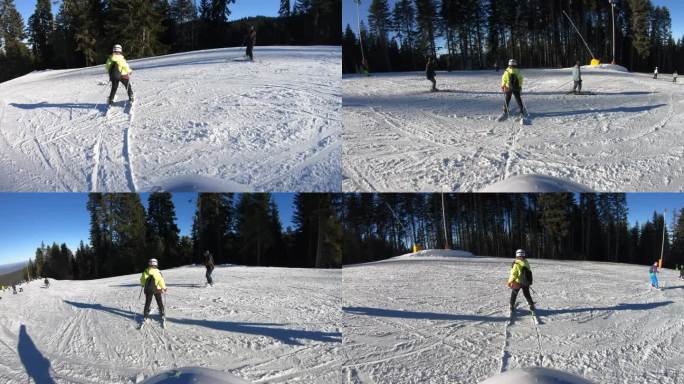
{"points": [[153, 284], [511, 85], [119, 71], [655, 74], [520, 278], [209, 264], [674, 76], [654, 278], [430, 73], [577, 78], [47, 283], [250, 41]]}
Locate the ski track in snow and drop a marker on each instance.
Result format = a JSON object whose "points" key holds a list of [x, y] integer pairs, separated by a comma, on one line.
{"points": [[266, 325], [400, 137], [440, 320], [200, 117]]}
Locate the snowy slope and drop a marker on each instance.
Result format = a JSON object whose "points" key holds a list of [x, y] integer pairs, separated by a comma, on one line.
{"points": [[400, 137], [444, 321], [201, 121], [270, 325]]}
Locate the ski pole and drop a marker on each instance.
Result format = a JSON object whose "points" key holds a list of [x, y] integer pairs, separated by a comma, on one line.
{"points": [[140, 294]]}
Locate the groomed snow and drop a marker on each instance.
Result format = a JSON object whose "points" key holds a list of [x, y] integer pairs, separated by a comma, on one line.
{"points": [[445, 321], [272, 325], [201, 121], [398, 136]]}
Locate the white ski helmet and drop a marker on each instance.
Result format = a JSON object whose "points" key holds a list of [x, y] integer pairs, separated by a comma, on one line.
{"points": [[153, 262], [520, 253], [512, 63], [117, 48]]}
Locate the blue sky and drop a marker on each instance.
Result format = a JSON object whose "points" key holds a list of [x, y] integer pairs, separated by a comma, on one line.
{"points": [[239, 10], [31, 218], [676, 12]]}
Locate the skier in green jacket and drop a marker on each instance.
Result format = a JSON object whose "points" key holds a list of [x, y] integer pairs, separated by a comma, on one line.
{"points": [[520, 278], [119, 71], [154, 285]]}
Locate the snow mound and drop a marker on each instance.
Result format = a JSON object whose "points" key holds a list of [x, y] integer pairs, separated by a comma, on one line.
{"points": [[196, 183], [535, 184], [535, 376], [434, 254], [612, 67], [194, 376]]}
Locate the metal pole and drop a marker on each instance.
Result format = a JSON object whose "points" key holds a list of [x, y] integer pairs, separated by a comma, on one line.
{"points": [[662, 247], [612, 8], [580, 35], [358, 19], [446, 239]]}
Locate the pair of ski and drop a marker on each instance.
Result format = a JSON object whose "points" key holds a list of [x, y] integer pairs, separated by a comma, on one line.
{"points": [[145, 321], [535, 318], [522, 119]]}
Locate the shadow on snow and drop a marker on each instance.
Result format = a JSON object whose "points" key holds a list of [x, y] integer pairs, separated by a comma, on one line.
{"points": [[36, 365], [284, 335], [379, 312]]}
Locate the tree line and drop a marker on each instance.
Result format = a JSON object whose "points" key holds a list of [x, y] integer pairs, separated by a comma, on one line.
{"points": [[240, 229], [83, 32], [591, 227], [477, 34]]}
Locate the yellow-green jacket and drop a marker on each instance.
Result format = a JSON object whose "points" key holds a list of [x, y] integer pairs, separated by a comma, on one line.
{"points": [[120, 62], [156, 275], [517, 270], [506, 78]]}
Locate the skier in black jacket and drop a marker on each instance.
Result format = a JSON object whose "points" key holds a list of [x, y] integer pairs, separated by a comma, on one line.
{"points": [[250, 41], [209, 264], [430, 73]]}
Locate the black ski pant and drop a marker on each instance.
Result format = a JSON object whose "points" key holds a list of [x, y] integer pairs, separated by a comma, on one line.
{"points": [[578, 86], [115, 86], [148, 302], [526, 293], [250, 52], [518, 99], [210, 281]]}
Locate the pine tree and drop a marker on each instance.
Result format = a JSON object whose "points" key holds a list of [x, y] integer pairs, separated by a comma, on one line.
{"points": [[40, 28], [379, 20], [640, 11], [15, 58], [256, 231], [162, 231], [284, 8], [136, 25], [212, 226], [426, 17]]}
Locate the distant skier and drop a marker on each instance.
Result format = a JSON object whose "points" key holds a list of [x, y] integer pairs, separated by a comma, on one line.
{"points": [[250, 41], [681, 272], [675, 75], [655, 74], [209, 264], [47, 283], [153, 284], [520, 278], [653, 271], [577, 78], [430, 73], [119, 71], [496, 67], [14, 289], [511, 85]]}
